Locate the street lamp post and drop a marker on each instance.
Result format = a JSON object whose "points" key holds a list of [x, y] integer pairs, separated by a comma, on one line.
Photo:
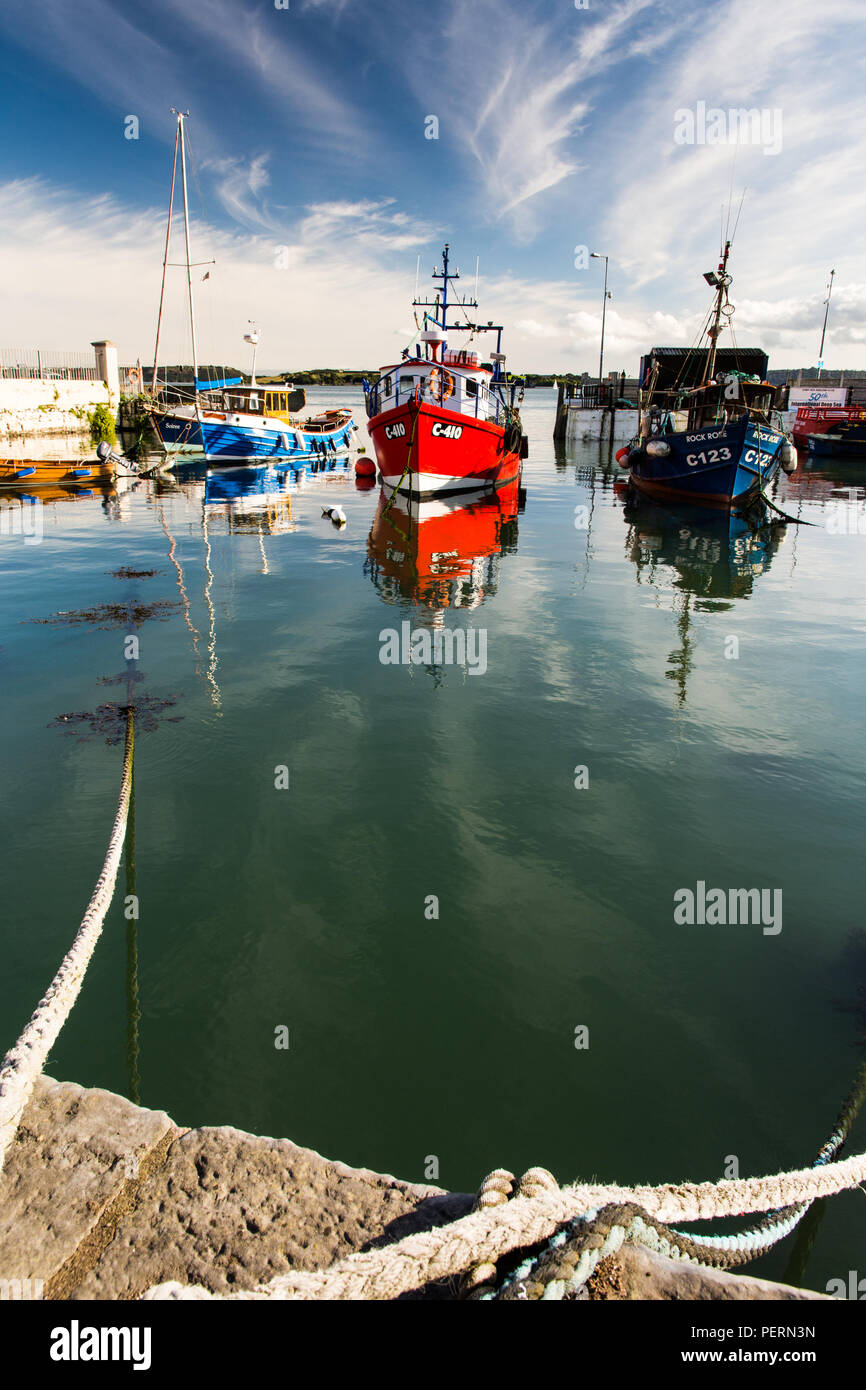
{"points": [[597, 255]]}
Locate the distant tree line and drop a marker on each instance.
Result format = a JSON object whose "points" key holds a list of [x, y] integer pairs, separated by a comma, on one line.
{"points": [[347, 376]]}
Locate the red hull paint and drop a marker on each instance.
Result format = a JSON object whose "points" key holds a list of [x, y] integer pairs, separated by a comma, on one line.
{"points": [[821, 419], [425, 449]]}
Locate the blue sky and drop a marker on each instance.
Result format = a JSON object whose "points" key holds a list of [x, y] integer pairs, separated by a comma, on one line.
{"points": [[556, 130]]}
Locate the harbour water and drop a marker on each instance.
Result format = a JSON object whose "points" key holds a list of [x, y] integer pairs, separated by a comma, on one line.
{"points": [[462, 905]]}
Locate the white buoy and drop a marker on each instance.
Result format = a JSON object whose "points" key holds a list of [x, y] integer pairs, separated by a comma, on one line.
{"points": [[337, 515], [788, 457]]}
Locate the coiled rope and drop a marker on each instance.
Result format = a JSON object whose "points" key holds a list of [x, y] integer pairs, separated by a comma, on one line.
{"points": [[23, 1064]]}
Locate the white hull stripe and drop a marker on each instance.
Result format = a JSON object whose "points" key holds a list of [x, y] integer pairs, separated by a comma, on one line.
{"points": [[434, 482]]}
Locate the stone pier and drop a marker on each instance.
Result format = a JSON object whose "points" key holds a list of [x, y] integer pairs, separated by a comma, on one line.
{"points": [[101, 1199]]}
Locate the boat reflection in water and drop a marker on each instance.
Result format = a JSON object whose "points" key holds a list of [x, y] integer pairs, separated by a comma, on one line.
{"points": [[259, 498], [710, 559], [23, 513], [443, 552], [252, 499]]}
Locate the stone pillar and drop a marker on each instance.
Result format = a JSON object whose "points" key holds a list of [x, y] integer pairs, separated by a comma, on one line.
{"points": [[107, 368]]}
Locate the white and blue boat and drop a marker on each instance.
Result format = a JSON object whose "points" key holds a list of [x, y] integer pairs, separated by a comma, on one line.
{"points": [[227, 421], [707, 431], [176, 422], [254, 423]]}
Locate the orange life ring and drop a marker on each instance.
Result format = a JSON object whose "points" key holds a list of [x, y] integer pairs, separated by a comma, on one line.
{"points": [[133, 377], [440, 384]]}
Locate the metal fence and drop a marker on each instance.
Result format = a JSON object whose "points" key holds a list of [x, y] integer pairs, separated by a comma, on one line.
{"points": [[601, 395], [37, 364]]}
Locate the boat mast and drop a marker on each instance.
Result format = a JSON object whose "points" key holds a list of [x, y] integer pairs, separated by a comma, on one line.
{"points": [[721, 280], [824, 329], [165, 260], [181, 117], [445, 278], [440, 308]]}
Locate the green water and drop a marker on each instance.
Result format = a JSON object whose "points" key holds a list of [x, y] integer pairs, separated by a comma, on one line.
{"points": [[414, 1036]]}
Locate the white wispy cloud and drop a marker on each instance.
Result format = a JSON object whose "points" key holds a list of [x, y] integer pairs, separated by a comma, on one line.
{"points": [[802, 205], [240, 185], [73, 269], [327, 289], [128, 64], [258, 43], [144, 61], [519, 96]]}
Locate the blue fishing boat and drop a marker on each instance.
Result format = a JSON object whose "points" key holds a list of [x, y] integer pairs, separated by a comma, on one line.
{"points": [[176, 422], [707, 431]]}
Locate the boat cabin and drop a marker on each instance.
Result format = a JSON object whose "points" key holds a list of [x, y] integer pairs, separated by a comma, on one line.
{"points": [[457, 381], [676, 392], [280, 402]]}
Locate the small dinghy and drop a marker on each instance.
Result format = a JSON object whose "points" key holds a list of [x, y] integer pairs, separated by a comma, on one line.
{"points": [[39, 473]]}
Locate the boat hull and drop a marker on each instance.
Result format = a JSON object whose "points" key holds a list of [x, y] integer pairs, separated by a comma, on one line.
{"points": [[722, 466], [423, 449], [225, 441], [832, 446], [177, 433]]}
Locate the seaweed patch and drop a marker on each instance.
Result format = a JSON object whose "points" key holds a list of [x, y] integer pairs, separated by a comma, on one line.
{"points": [[106, 616], [109, 720]]}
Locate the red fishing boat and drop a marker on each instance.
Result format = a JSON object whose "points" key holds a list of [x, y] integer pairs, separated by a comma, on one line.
{"points": [[442, 420], [823, 419]]}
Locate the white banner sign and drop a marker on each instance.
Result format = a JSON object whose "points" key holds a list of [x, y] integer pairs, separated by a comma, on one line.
{"points": [[817, 395]]}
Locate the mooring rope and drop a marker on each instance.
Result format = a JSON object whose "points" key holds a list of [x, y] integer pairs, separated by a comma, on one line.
{"points": [[747, 1245], [23, 1064], [486, 1235], [576, 1227], [408, 462], [786, 516]]}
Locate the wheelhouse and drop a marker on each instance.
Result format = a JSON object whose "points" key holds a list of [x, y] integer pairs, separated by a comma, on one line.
{"points": [[457, 382], [279, 402], [675, 396]]}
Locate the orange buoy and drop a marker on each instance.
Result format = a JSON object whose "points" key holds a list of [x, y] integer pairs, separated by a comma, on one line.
{"points": [[365, 468]]}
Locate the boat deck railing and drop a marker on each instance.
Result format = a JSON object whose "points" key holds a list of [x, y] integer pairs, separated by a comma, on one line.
{"points": [[499, 403]]}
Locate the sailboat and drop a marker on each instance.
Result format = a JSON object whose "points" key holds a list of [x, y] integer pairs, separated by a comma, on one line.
{"points": [[440, 419], [227, 421], [705, 430]]}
